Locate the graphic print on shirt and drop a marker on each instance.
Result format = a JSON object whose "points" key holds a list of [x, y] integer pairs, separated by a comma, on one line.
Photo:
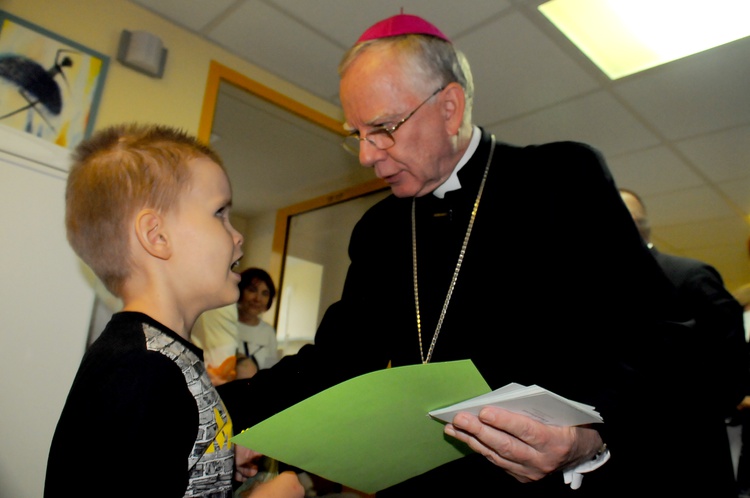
{"points": [[211, 461]]}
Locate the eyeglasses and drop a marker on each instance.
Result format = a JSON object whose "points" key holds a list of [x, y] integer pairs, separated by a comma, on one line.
{"points": [[381, 137]]}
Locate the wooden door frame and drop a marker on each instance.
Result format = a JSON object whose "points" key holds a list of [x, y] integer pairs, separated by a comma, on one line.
{"points": [[219, 73]]}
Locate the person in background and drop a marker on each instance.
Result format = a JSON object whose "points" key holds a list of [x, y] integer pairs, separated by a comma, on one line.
{"points": [[215, 332], [256, 339], [740, 421], [235, 340], [147, 208], [449, 266], [720, 379]]}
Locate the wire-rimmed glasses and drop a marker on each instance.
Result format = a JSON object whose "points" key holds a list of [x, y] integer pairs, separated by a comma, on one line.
{"points": [[381, 137]]}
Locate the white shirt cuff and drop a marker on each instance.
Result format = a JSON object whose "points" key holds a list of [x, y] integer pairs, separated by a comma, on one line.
{"points": [[574, 476]]}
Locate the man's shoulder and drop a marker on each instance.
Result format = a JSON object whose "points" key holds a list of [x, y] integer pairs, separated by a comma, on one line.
{"points": [[545, 148], [552, 149], [574, 167], [559, 160], [682, 269], [681, 262]]}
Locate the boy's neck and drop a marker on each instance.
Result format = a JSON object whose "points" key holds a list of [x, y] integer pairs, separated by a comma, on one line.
{"points": [[170, 319]]}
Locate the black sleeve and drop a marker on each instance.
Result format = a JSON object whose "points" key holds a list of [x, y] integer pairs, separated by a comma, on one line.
{"points": [[720, 347], [125, 434], [294, 378]]}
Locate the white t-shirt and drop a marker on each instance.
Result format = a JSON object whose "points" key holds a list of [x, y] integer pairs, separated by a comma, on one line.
{"points": [[258, 341], [215, 332]]}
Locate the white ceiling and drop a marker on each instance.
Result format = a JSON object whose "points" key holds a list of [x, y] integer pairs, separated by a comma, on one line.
{"points": [[678, 134]]}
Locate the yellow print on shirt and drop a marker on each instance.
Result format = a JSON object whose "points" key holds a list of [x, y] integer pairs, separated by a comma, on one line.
{"points": [[224, 435]]}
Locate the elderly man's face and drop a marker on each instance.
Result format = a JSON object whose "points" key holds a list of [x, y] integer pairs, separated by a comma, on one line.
{"points": [[377, 91]]}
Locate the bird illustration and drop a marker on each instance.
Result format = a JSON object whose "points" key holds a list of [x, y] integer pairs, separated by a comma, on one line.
{"points": [[37, 85]]}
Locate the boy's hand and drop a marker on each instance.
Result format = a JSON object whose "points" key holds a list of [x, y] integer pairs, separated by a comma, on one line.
{"points": [[284, 485], [245, 463]]}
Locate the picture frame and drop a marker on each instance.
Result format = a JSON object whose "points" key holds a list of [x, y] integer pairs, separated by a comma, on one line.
{"points": [[50, 86]]}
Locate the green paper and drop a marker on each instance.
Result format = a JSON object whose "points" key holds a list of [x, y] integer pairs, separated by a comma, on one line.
{"points": [[373, 431]]}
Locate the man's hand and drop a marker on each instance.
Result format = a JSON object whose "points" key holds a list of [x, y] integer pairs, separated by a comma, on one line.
{"points": [[528, 450]]}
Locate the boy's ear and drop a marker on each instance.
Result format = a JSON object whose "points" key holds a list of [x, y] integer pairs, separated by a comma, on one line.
{"points": [[151, 234]]}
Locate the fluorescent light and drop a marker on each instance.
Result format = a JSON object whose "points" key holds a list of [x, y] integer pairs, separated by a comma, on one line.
{"points": [[623, 37]]}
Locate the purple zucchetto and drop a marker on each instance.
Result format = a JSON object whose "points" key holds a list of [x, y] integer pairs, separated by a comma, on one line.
{"points": [[401, 24]]}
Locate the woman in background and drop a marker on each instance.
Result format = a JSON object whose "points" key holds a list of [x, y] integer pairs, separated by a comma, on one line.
{"points": [[236, 343], [256, 339]]}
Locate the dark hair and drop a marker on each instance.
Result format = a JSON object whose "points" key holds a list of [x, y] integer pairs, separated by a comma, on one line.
{"points": [[251, 274]]}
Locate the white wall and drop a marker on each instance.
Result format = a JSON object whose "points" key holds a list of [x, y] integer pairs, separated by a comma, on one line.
{"points": [[46, 301], [301, 299]]}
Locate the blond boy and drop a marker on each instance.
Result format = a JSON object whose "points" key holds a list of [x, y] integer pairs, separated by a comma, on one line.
{"points": [[147, 208]]}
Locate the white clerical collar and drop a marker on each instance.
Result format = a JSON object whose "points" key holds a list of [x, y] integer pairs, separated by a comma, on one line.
{"points": [[452, 182]]}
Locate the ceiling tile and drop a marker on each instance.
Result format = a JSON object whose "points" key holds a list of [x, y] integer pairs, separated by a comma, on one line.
{"points": [[722, 155], [596, 119], [731, 261], [517, 70], [652, 171], [698, 94], [322, 14], [737, 191], [731, 231], [193, 14], [689, 205], [260, 34]]}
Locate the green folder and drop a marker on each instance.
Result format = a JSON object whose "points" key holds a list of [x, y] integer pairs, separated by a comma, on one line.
{"points": [[373, 431]]}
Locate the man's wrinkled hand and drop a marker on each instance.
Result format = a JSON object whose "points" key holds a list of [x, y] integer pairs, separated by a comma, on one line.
{"points": [[525, 448]]}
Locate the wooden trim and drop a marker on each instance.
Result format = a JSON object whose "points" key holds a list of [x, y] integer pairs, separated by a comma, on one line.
{"points": [[208, 111], [284, 216], [218, 73]]}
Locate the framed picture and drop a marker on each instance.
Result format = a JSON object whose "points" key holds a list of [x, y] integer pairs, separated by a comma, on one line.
{"points": [[50, 86]]}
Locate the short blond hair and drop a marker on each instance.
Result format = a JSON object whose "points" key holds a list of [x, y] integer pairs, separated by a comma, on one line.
{"points": [[115, 173]]}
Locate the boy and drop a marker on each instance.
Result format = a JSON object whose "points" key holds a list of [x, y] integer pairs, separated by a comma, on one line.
{"points": [[147, 208]]}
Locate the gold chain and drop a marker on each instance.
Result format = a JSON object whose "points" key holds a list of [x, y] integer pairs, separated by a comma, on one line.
{"points": [[458, 264]]}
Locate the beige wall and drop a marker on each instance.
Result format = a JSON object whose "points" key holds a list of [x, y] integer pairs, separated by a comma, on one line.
{"points": [[177, 98]]}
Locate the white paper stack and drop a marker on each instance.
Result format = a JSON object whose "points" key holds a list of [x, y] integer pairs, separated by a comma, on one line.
{"points": [[533, 401]]}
